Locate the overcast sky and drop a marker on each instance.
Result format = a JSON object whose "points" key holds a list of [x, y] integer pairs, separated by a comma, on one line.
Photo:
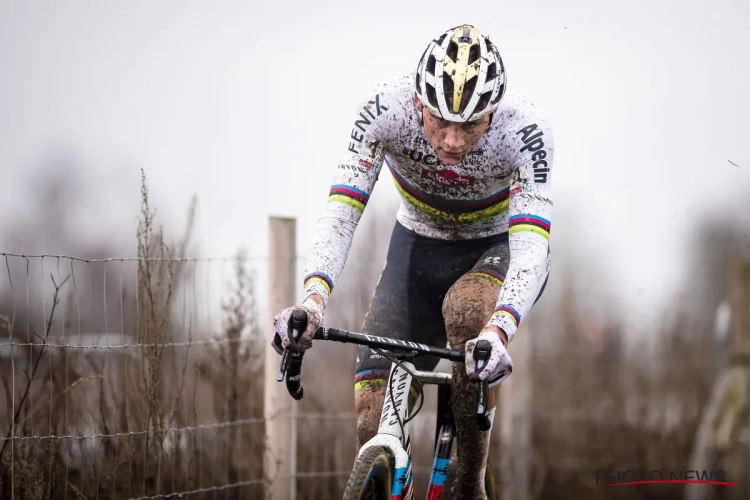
{"points": [[250, 104]]}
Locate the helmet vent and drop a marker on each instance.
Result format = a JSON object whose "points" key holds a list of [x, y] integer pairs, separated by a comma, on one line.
{"points": [[431, 95], [431, 65], [491, 71], [473, 53], [483, 101], [452, 51], [500, 92]]}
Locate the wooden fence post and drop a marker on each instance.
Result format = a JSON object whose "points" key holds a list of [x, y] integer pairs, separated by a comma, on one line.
{"points": [[729, 406], [279, 410]]}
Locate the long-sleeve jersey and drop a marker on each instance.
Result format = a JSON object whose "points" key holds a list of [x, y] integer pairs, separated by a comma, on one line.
{"points": [[502, 185]]}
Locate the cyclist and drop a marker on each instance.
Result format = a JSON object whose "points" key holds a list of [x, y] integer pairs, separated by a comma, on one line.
{"points": [[469, 253]]}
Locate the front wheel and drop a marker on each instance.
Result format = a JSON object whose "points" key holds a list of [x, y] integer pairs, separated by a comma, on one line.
{"points": [[371, 477]]}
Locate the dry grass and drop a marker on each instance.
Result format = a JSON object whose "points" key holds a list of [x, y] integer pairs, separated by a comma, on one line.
{"points": [[598, 405]]}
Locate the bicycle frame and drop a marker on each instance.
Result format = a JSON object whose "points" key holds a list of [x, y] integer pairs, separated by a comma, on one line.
{"points": [[391, 437]]}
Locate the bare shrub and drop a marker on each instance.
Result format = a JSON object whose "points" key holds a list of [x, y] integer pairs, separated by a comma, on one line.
{"points": [[122, 423]]}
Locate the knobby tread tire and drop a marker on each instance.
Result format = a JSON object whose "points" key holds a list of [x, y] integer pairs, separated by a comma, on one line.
{"points": [[371, 458]]}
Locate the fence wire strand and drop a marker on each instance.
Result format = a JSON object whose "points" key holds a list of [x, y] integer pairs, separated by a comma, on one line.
{"points": [[223, 487]]}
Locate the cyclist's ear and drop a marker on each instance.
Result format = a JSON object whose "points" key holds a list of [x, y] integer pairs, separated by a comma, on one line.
{"points": [[418, 105], [417, 102], [492, 115]]}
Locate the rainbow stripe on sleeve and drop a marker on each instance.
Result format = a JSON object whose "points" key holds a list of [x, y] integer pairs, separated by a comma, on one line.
{"points": [[507, 310], [321, 278], [529, 223], [349, 195]]}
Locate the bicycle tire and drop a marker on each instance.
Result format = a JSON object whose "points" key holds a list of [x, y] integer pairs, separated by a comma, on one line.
{"points": [[371, 477]]}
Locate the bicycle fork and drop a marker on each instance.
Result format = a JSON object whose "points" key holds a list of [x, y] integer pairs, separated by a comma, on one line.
{"points": [[445, 433], [393, 431]]}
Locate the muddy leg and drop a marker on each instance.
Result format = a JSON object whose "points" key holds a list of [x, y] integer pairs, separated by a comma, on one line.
{"points": [[368, 403], [467, 307]]}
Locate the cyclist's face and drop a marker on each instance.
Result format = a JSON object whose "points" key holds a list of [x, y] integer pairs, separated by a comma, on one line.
{"points": [[451, 140]]}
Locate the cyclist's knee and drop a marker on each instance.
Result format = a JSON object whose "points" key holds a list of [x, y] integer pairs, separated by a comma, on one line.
{"points": [[467, 308], [369, 394]]}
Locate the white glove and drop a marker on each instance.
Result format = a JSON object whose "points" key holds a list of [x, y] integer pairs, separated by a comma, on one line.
{"points": [[282, 322], [498, 367]]}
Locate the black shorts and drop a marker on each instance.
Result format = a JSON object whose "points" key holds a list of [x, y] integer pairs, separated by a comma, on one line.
{"points": [[408, 300]]}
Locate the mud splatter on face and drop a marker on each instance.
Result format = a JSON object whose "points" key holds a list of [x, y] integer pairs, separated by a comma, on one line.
{"points": [[452, 141]]}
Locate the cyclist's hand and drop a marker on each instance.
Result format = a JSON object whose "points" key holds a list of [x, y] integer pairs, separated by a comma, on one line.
{"points": [[282, 322], [498, 368]]}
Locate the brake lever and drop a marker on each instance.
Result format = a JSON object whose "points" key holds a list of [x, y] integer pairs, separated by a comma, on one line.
{"points": [[298, 324], [482, 351], [294, 375], [283, 366]]}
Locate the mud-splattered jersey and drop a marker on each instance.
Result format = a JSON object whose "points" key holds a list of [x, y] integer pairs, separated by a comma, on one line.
{"points": [[502, 185]]}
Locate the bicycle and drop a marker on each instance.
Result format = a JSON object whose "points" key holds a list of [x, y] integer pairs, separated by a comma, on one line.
{"points": [[382, 470]]}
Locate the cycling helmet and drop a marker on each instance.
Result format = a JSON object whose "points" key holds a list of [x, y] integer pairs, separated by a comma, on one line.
{"points": [[460, 76]]}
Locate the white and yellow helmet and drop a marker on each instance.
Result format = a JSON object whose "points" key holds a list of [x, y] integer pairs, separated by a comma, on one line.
{"points": [[460, 76]]}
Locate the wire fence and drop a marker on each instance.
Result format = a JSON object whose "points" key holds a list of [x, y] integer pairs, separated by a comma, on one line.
{"points": [[143, 378], [113, 384]]}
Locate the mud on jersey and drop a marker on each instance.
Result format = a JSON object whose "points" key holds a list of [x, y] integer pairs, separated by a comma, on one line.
{"points": [[502, 184]]}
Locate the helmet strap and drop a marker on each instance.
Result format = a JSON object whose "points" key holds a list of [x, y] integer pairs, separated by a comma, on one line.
{"points": [[492, 115], [419, 107]]}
